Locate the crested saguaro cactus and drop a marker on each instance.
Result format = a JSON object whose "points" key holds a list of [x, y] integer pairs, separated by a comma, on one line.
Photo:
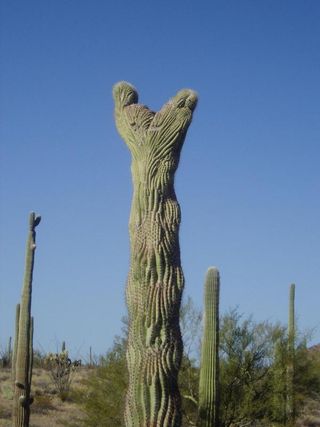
{"points": [[290, 410], [24, 353], [155, 280], [209, 369]]}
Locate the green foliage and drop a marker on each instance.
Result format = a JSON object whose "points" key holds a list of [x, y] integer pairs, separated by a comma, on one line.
{"points": [[252, 375], [244, 362], [102, 397], [306, 379], [190, 324], [307, 375], [278, 378], [290, 400], [189, 388]]}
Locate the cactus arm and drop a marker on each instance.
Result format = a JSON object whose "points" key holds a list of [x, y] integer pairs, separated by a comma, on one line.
{"points": [[155, 280], [15, 345], [209, 369]]}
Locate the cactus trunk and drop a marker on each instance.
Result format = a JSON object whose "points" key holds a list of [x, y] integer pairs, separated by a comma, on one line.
{"points": [[209, 369], [31, 352], [155, 280], [23, 364], [290, 410]]}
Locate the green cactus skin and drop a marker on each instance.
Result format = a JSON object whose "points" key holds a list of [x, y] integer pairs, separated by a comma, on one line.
{"points": [[15, 344], [290, 410], [209, 369], [155, 281], [31, 352], [23, 366]]}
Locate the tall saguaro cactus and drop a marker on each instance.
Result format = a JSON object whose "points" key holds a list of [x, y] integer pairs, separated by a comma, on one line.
{"points": [[24, 356], [290, 410], [209, 369], [155, 280]]}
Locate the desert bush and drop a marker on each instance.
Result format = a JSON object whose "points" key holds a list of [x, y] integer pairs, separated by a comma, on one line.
{"points": [[252, 375], [39, 359], [5, 413], [102, 397], [61, 370], [7, 391], [42, 403], [6, 355]]}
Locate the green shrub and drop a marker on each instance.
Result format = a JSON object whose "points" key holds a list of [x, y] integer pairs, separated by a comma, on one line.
{"points": [[103, 396]]}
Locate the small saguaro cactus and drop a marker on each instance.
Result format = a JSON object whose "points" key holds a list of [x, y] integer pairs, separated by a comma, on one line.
{"points": [[155, 281], [209, 368], [290, 410], [24, 353]]}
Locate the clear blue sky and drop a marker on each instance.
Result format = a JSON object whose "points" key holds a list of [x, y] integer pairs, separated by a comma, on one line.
{"points": [[249, 177]]}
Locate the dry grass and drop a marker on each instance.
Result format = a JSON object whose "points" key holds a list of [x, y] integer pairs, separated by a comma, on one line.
{"points": [[311, 416], [47, 409]]}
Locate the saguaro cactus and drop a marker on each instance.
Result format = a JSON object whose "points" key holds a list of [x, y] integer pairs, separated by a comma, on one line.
{"points": [[24, 356], [290, 410], [209, 369], [155, 281]]}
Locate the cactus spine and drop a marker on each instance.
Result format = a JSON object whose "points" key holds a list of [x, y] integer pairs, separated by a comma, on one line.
{"points": [[290, 410], [209, 370], [24, 353], [155, 281]]}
